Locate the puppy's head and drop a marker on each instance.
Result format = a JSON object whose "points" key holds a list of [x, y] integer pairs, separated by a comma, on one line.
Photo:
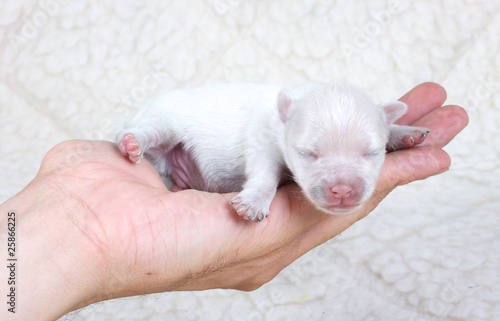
{"points": [[335, 140]]}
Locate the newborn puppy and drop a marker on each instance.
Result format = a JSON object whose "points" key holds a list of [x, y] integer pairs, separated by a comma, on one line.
{"points": [[330, 138]]}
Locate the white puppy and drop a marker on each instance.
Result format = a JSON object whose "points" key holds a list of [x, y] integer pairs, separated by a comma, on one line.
{"points": [[331, 138]]}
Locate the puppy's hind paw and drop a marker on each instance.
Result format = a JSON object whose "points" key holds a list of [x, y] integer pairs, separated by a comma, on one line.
{"points": [[129, 146]]}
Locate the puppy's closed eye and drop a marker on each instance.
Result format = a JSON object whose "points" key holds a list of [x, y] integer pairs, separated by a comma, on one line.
{"points": [[307, 154], [373, 153]]}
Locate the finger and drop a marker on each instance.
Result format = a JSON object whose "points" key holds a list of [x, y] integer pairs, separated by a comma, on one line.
{"points": [[421, 100], [405, 166], [444, 123]]}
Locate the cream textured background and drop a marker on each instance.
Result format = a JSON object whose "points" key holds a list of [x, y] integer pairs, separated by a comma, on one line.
{"points": [[431, 251]]}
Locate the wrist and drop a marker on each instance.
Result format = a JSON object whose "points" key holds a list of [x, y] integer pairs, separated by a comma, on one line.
{"points": [[52, 270]]}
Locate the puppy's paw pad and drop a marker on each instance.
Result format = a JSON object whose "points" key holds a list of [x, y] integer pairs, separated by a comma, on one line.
{"points": [[421, 135], [404, 137], [129, 146], [415, 138]]}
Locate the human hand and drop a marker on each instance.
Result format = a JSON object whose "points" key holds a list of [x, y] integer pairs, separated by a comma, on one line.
{"points": [[98, 227]]}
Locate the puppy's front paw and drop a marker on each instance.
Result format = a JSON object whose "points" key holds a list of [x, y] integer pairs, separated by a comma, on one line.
{"points": [[416, 137], [250, 208], [403, 137], [129, 146]]}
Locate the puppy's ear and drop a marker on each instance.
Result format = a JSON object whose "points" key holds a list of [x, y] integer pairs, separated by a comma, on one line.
{"points": [[284, 102], [393, 111]]}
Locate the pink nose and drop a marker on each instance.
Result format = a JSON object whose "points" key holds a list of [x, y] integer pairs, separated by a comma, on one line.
{"points": [[341, 191]]}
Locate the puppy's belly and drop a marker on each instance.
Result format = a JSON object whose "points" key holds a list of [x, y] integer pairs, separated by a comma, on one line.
{"points": [[206, 174]]}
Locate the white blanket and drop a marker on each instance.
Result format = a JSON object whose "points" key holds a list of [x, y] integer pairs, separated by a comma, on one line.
{"points": [[431, 251]]}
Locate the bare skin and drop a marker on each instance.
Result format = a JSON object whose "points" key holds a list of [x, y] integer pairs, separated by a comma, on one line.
{"points": [[93, 226]]}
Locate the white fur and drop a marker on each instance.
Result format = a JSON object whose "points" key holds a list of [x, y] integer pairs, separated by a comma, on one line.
{"points": [[245, 137]]}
